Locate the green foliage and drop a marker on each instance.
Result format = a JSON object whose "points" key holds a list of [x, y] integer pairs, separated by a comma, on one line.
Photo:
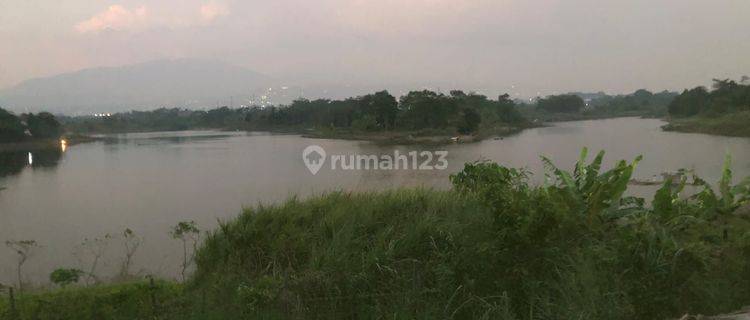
{"points": [[43, 125], [640, 102], [598, 105], [162, 119], [11, 128], [64, 277], [592, 193], [726, 96], [427, 109], [346, 254], [381, 106], [255, 297], [496, 184], [365, 123], [729, 124], [188, 233], [184, 229], [690, 102], [115, 302], [471, 120], [565, 103], [379, 111]]}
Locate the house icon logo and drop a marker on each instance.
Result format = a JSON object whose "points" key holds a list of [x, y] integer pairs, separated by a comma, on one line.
{"points": [[314, 157]]}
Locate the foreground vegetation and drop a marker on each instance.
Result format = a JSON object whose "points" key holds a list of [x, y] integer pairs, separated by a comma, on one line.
{"points": [[494, 247], [725, 110]]}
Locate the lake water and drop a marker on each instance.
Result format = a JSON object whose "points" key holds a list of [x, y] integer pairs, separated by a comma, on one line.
{"points": [[149, 181]]}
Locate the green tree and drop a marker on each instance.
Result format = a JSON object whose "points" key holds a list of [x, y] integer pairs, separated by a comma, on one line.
{"points": [[471, 120], [11, 128], [689, 102], [64, 277], [427, 109], [566, 103], [506, 110], [43, 125], [187, 232], [382, 106]]}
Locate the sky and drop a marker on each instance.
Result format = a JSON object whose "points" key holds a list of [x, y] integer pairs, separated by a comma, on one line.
{"points": [[512, 45]]}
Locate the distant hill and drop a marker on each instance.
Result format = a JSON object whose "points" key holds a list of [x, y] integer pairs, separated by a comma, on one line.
{"points": [[161, 83]]}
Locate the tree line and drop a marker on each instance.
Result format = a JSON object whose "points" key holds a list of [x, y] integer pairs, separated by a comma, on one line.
{"points": [[455, 112], [380, 111], [417, 110], [640, 102], [28, 126], [725, 96], [162, 119]]}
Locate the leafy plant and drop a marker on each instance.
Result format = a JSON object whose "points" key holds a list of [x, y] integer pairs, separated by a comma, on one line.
{"points": [[595, 195], [64, 277], [729, 198], [188, 233]]}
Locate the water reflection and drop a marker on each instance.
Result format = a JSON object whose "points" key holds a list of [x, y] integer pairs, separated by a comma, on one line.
{"points": [[178, 137], [13, 162]]}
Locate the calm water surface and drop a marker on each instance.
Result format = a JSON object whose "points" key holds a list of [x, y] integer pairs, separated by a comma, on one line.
{"points": [[148, 182]]}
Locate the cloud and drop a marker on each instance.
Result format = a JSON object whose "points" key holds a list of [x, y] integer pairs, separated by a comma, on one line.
{"points": [[209, 12], [119, 18], [116, 17]]}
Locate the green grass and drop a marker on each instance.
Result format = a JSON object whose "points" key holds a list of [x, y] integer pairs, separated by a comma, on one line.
{"points": [[732, 124], [116, 301], [494, 247], [398, 253]]}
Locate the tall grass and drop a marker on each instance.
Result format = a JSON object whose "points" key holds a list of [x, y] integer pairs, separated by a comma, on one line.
{"points": [[495, 246]]}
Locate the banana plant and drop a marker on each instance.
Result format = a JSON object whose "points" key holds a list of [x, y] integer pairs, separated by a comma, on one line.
{"points": [[729, 198], [595, 194]]}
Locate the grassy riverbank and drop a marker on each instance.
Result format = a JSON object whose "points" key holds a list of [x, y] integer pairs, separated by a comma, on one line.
{"points": [[493, 247], [735, 124]]}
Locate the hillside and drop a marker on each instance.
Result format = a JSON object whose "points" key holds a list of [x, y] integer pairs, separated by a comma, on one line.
{"points": [[161, 83]]}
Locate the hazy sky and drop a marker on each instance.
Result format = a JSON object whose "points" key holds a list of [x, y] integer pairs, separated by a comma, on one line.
{"points": [[611, 45]]}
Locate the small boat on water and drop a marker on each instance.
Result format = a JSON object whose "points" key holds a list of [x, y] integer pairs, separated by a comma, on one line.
{"points": [[674, 178]]}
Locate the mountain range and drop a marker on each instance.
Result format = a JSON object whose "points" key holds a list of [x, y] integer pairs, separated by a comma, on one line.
{"points": [[186, 83]]}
